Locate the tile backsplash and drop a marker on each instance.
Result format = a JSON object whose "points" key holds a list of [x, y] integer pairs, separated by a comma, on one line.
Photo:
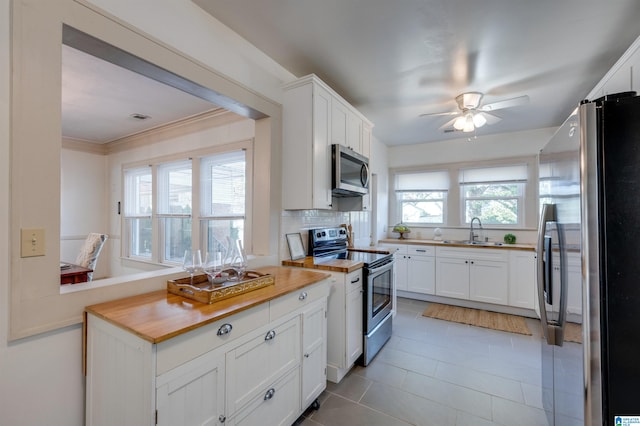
{"points": [[300, 221]]}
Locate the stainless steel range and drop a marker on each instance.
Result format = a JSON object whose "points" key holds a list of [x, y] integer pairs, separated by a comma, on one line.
{"points": [[378, 289]]}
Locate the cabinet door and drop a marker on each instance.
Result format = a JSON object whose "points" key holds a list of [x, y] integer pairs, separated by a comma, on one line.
{"points": [[339, 120], [452, 277], [402, 277], [488, 281], [193, 393], [255, 364], [278, 405], [522, 279], [354, 132], [366, 141], [314, 354], [321, 162], [421, 271], [354, 325]]}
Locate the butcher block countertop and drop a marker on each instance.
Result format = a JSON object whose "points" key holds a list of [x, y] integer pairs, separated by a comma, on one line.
{"points": [[160, 315], [529, 247], [334, 265]]}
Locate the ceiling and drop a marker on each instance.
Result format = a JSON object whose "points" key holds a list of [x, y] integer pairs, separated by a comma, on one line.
{"points": [[396, 60], [99, 99]]}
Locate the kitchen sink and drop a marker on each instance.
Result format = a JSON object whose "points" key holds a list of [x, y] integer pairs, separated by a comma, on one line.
{"points": [[472, 243]]}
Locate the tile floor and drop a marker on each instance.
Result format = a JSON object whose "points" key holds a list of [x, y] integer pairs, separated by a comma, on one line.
{"points": [[435, 372]]}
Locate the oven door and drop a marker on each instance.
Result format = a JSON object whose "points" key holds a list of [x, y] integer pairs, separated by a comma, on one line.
{"points": [[378, 295]]}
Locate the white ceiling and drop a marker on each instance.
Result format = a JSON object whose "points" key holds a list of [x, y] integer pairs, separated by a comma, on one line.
{"points": [[395, 60], [98, 99]]}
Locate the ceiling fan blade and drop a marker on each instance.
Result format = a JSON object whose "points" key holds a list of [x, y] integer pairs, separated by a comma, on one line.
{"points": [[491, 118], [435, 114], [448, 124], [507, 103]]}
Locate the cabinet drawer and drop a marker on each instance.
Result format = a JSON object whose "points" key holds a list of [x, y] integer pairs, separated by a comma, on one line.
{"points": [[396, 248], [497, 255], [260, 361], [353, 281], [298, 299], [180, 349], [279, 404], [421, 250]]}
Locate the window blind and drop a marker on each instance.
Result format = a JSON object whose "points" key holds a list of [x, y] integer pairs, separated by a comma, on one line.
{"points": [[512, 173], [423, 181]]}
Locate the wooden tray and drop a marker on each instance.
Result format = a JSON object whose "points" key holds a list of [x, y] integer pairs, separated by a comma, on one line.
{"points": [[204, 292]]}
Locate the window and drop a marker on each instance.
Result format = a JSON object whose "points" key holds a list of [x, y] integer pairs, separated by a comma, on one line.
{"points": [[422, 197], [174, 209], [494, 194], [223, 185], [138, 202], [159, 200]]}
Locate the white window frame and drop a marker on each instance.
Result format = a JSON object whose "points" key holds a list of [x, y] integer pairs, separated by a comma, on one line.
{"points": [[133, 214], [197, 241], [426, 182], [495, 175]]}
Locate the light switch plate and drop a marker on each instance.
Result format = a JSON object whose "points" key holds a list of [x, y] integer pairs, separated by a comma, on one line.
{"points": [[31, 242]]}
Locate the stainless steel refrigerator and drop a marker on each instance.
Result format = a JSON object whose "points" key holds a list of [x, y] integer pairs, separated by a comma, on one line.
{"points": [[589, 176]]}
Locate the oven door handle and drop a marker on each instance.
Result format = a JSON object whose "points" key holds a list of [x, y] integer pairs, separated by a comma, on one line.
{"points": [[382, 268]]}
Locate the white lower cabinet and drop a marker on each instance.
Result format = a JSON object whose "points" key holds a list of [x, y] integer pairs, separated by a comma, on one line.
{"points": [[480, 275], [344, 323], [314, 353], [522, 279], [192, 394], [265, 365], [415, 268]]}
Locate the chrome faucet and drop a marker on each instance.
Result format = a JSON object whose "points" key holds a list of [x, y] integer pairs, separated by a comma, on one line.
{"points": [[472, 236]]}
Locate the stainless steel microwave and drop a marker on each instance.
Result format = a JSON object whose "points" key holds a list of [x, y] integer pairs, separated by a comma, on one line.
{"points": [[350, 172]]}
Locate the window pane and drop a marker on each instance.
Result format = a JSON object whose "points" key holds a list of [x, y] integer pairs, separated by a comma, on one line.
{"points": [[494, 190], [422, 211], [495, 212], [220, 230], [223, 183], [137, 192], [177, 238], [174, 191], [140, 237]]}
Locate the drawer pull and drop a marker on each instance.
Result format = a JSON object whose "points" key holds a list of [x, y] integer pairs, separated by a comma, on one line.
{"points": [[357, 280], [269, 394], [225, 329], [270, 335], [222, 418], [421, 250], [302, 296]]}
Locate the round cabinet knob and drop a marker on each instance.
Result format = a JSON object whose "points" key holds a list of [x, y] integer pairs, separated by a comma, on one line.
{"points": [[222, 418], [270, 335], [224, 329], [269, 394], [306, 355], [302, 296]]}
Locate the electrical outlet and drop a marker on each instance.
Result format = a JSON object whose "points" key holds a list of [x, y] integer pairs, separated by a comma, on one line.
{"points": [[31, 242]]}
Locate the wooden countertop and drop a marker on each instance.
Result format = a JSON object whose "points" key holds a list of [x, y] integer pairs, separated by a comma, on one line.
{"points": [[528, 247], [160, 315], [335, 265]]}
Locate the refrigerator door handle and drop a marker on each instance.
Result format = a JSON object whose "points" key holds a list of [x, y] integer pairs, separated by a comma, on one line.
{"points": [[543, 271]]}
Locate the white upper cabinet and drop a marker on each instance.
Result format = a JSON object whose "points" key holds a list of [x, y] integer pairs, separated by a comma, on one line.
{"points": [[314, 118]]}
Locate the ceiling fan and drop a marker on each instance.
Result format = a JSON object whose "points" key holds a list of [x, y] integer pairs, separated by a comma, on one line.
{"points": [[472, 115]]}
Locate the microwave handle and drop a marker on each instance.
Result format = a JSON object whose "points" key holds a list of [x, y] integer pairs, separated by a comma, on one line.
{"points": [[364, 175]]}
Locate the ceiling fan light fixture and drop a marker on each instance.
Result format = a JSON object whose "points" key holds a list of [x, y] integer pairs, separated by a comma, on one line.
{"points": [[459, 123], [468, 123], [479, 120]]}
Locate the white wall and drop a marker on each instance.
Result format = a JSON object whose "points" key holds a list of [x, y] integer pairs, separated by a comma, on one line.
{"points": [[483, 148], [83, 205], [41, 380]]}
